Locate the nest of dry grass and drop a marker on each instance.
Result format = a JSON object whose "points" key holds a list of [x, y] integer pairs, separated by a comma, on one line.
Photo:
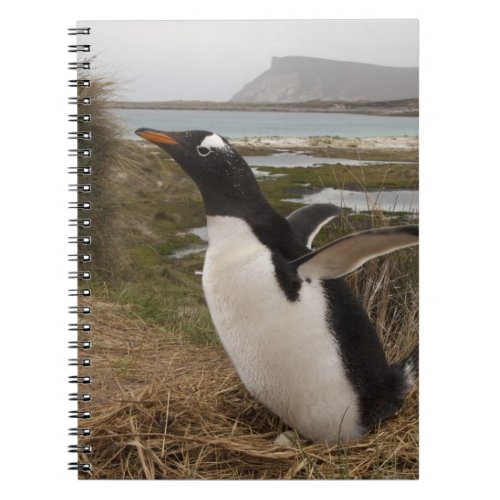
{"points": [[164, 408]]}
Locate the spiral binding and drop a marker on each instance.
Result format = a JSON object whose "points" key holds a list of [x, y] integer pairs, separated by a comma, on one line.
{"points": [[81, 256]]}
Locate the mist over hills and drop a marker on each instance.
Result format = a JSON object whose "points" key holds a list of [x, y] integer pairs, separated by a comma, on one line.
{"points": [[298, 78]]}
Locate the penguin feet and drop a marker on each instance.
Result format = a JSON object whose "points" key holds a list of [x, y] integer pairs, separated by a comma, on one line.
{"points": [[289, 439]]}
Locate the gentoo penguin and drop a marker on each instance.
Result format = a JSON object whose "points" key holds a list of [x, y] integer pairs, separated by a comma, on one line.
{"points": [[299, 339]]}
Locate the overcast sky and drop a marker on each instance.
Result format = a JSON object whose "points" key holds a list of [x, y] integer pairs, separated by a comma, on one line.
{"points": [[212, 60]]}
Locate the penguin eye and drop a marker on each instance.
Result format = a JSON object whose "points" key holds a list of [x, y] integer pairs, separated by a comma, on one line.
{"points": [[203, 151]]}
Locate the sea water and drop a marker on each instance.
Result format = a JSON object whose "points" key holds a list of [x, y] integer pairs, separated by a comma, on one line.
{"points": [[267, 123]]}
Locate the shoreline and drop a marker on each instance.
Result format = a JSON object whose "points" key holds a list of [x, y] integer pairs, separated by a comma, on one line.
{"points": [[319, 143], [333, 142], [396, 108]]}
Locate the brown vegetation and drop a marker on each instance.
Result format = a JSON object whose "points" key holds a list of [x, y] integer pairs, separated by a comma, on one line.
{"points": [[164, 408]]}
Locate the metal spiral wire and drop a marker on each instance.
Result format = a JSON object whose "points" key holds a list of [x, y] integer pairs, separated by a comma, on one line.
{"points": [[80, 254]]}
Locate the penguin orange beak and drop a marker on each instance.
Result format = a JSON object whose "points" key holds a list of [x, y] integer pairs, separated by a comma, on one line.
{"points": [[155, 137]]}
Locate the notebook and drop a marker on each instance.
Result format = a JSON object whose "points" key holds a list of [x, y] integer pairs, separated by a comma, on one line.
{"points": [[244, 231]]}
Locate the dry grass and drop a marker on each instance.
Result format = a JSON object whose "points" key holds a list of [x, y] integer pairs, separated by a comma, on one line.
{"points": [[164, 408]]}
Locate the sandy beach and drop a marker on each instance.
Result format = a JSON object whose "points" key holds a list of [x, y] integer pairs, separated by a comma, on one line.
{"points": [[321, 142]]}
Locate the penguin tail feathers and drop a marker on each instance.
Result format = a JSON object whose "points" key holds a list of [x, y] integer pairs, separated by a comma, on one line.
{"points": [[409, 367], [408, 370], [401, 379]]}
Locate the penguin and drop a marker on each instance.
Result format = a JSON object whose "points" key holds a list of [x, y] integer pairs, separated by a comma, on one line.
{"points": [[300, 341]]}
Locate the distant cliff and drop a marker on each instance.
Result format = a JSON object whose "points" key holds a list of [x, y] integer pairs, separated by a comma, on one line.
{"points": [[297, 78]]}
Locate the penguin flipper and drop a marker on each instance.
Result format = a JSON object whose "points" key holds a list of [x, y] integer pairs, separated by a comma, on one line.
{"points": [[307, 221], [347, 254]]}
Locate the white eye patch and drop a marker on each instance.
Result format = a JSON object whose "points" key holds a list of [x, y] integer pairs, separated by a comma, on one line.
{"points": [[210, 143]]}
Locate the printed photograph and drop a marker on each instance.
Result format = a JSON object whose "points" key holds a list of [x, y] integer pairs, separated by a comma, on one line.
{"points": [[254, 249]]}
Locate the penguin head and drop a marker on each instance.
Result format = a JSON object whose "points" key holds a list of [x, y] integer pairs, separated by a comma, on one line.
{"points": [[220, 172]]}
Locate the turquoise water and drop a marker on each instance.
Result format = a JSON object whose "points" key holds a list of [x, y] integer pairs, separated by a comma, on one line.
{"points": [[395, 200], [265, 123], [291, 159]]}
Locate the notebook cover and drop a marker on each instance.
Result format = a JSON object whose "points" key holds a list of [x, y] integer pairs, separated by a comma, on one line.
{"points": [[322, 112]]}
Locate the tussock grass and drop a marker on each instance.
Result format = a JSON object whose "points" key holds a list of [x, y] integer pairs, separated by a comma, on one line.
{"points": [[165, 408]]}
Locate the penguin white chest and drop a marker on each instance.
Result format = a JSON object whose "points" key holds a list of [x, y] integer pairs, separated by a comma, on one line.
{"points": [[283, 351]]}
